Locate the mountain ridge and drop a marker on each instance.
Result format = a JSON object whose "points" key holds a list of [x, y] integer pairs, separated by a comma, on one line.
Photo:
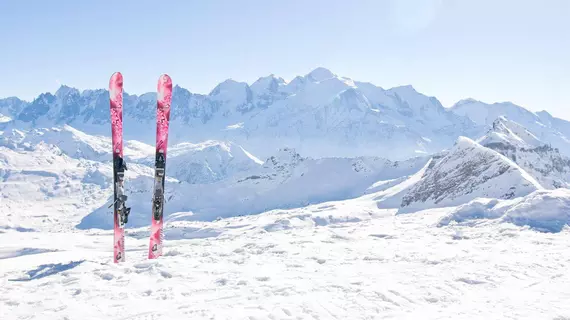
{"points": [[319, 113]]}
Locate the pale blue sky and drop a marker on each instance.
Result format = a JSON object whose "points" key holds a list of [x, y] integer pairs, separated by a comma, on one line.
{"points": [[492, 50]]}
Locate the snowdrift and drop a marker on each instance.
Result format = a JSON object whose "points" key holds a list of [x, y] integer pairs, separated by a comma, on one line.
{"points": [[542, 210]]}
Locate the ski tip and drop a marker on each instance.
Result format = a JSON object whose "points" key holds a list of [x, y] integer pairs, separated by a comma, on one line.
{"points": [[116, 80], [164, 81]]}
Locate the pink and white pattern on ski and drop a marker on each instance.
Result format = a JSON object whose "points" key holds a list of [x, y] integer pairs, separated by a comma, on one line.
{"points": [[164, 99], [116, 102]]}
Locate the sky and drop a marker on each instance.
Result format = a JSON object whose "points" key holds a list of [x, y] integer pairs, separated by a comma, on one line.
{"points": [[493, 51]]}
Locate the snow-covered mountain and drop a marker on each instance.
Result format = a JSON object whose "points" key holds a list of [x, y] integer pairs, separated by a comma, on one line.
{"points": [[541, 125], [349, 134], [509, 133], [204, 181], [508, 162], [300, 173], [12, 106], [539, 159], [319, 114], [466, 172]]}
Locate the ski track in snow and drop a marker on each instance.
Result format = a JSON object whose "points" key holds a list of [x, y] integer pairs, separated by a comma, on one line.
{"points": [[337, 260]]}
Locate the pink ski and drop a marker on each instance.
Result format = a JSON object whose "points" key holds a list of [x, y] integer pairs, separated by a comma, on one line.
{"points": [[120, 211], [164, 97]]}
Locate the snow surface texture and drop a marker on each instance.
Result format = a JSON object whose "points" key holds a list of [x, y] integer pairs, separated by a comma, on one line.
{"points": [[544, 210], [339, 260]]}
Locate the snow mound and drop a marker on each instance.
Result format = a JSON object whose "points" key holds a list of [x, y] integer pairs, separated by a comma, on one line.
{"points": [[466, 172], [543, 210]]}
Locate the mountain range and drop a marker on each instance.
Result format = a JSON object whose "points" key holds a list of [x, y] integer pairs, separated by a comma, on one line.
{"points": [[319, 114], [245, 149]]}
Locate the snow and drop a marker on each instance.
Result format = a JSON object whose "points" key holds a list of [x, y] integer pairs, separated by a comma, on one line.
{"points": [[536, 157], [235, 126], [543, 210], [320, 74], [546, 210], [284, 200], [509, 132], [319, 114], [541, 125], [4, 118], [392, 197], [333, 260], [285, 180], [466, 172]]}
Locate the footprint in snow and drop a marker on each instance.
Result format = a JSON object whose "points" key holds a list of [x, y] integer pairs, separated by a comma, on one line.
{"points": [[107, 276], [263, 279]]}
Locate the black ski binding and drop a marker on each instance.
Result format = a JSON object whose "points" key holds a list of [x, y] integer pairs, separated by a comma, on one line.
{"points": [[159, 165], [120, 198]]}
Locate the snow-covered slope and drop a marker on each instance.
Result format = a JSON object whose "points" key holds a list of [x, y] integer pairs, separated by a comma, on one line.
{"points": [[507, 132], [541, 125], [539, 159], [319, 114], [543, 210], [204, 181], [466, 172], [209, 161], [42, 187], [73, 143], [285, 180], [343, 260]]}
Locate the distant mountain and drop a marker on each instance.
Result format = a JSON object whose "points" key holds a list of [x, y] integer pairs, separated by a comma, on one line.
{"points": [[538, 158], [68, 173], [509, 133], [468, 171], [452, 177], [11, 107], [543, 126], [319, 114], [507, 162], [245, 149]]}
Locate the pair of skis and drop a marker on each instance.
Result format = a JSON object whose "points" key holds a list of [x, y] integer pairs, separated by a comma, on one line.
{"points": [[120, 211]]}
